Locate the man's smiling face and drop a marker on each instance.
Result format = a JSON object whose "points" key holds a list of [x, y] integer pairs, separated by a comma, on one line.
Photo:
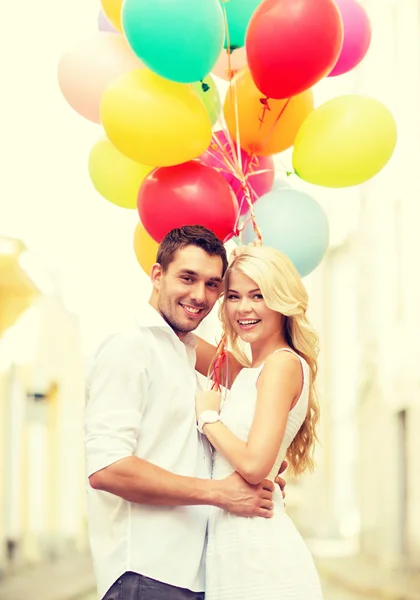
{"points": [[189, 288]]}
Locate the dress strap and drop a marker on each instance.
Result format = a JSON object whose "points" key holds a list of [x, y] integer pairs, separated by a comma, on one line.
{"points": [[303, 363], [302, 360], [286, 350]]}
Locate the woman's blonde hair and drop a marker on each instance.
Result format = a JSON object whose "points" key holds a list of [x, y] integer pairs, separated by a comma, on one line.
{"points": [[284, 292]]}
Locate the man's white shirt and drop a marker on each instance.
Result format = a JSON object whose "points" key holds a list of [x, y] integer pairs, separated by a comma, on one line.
{"points": [[140, 402]]}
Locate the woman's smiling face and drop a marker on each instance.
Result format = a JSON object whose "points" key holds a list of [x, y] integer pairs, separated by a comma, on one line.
{"points": [[247, 311]]}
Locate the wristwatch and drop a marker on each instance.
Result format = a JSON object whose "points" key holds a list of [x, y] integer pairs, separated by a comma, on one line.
{"points": [[206, 417]]}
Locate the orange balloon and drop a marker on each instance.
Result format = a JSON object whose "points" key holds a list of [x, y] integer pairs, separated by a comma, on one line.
{"points": [[266, 126], [236, 63], [145, 248]]}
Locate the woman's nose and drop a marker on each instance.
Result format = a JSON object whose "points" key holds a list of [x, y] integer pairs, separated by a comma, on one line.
{"points": [[244, 306]]}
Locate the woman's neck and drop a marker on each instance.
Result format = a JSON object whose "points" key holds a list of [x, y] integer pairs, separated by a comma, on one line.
{"points": [[260, 351]]}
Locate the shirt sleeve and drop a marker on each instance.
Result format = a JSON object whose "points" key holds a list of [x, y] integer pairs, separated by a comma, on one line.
{"points": [[116, 399]]}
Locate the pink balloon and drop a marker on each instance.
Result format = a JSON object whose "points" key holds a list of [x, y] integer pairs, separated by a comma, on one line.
{"points": [[357, 36], [85, 72], [104, 24], [237, 62], [258, 170]]}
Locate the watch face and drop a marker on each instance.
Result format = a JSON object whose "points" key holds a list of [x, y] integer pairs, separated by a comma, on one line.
{"points": [[207, 417], [210, 416]]}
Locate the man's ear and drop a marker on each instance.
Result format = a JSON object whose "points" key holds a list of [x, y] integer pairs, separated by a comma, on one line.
{"points": [[156, 275]]}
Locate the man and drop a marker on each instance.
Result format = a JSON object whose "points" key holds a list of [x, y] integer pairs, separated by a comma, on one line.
{"points": [[149, 468]]}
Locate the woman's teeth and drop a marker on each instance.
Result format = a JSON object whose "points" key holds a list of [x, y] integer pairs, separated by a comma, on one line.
{"points": [[248, 323]]}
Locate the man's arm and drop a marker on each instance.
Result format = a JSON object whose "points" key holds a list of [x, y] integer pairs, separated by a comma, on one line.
{"points": [[280, 481], [139, 481]]}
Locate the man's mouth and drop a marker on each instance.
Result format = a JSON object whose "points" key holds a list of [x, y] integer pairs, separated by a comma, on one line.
{"points": [[192, 311], [247, 324]]}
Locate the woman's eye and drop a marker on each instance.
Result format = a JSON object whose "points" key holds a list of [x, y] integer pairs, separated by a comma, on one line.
{"points": [[230, 297], [258, 297]]}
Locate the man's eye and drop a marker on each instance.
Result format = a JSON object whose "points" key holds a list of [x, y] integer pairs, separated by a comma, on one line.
{"points": [[188, 279]]}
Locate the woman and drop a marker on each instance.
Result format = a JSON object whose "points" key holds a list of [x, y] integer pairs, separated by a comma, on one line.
{"points": [[269, 415]]}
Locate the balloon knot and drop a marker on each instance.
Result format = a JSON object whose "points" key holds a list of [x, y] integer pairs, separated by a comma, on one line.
{"points": [[204, 86], [266, 107], [264, 102]]}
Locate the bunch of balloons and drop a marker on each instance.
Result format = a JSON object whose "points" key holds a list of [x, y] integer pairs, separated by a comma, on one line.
{"points": [[179, 155]]}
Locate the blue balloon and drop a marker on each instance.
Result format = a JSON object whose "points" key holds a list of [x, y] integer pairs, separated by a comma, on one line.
{"points": [[294, 223], [280, 184], [179, 40]]}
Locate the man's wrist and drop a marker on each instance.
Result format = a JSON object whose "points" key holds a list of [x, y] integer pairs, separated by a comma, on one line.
{"points": [[212, 494], [217, 496]]}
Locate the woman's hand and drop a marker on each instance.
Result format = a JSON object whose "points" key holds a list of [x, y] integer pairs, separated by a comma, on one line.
{"points": [[206, 400]]}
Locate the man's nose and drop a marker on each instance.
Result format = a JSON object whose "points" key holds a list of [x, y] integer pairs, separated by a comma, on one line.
{"points": [[198, 293]]}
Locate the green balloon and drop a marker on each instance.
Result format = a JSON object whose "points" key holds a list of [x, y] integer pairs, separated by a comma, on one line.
{"points": [[179, 40], [209, 94], [238, 13]]}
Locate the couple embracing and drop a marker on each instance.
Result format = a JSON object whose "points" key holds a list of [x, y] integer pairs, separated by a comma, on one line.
{"points": [[184, 498]]}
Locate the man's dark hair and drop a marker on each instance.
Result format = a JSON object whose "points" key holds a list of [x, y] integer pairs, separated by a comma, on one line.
{"points": [[190, 235]]}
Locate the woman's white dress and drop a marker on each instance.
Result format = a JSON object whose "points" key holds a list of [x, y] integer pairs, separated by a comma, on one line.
{"points": [[256, 558]]}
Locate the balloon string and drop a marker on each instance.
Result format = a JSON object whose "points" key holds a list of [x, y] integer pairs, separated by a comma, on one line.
{"points": [[241, 171], [234, 163], [237, 131], [221, 359], [224, 154], [236, 153]]}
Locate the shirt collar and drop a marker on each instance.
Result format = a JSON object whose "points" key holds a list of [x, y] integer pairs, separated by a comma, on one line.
{"points": [[148, 317]]}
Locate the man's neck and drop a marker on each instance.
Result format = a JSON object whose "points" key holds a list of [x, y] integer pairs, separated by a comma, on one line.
{"points": [[153, 303]]}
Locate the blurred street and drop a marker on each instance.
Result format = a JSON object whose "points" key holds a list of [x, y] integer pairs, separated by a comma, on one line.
{"points": [[344, 577], [332, 592]]}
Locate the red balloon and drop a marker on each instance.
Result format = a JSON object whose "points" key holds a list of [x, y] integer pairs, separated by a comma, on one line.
{"points": [[187, 194], [292, 44]]}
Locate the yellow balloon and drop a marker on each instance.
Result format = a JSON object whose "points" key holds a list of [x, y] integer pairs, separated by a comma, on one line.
{"points": [[345, 142], [116, 177], [155, 121], [112, 10], [145, 248]]}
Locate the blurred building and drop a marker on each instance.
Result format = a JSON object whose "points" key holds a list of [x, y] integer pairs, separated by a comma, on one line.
{"points": [[41, 401], [366, 296]]}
